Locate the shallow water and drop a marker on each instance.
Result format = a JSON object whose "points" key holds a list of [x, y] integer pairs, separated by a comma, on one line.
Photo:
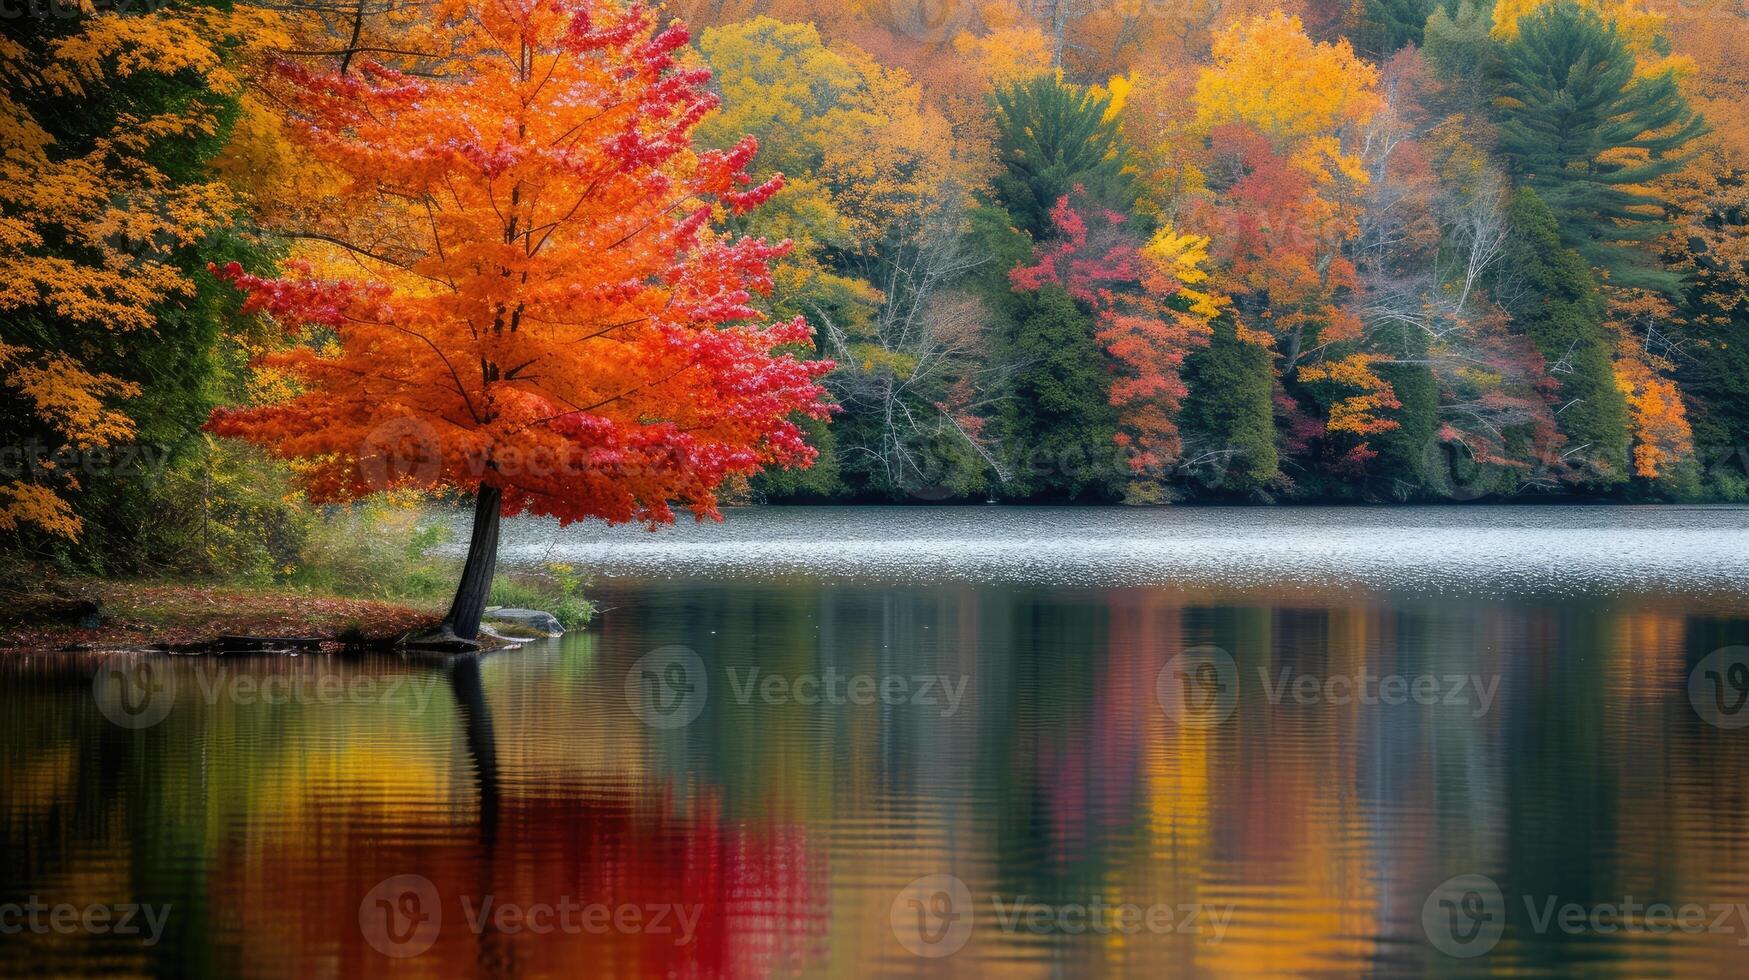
{"points": [[816, 742]]}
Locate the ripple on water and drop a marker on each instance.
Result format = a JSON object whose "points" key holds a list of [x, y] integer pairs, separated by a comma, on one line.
{"points": [[1429, 549]]}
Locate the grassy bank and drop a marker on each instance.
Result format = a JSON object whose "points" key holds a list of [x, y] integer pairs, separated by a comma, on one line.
{"points": [[359, 575]]}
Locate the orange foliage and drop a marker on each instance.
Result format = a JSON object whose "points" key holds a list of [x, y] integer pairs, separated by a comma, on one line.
{"points": [[540, 304], [1658, 417]]}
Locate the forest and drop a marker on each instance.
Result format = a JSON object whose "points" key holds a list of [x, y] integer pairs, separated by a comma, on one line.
{"points": [[1089, 251]]}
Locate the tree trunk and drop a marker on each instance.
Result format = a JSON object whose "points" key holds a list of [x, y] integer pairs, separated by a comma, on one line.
{"points": [[470, 594]]}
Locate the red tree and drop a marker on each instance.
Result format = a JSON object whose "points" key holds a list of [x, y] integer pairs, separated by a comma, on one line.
{"points": [[521, 292], [1149, 318]]}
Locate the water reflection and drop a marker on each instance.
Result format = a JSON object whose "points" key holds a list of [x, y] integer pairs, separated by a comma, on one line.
{"points": [[1288, 811]]}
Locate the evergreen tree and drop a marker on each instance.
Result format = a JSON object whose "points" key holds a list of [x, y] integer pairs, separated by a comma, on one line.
{"points": [[1053, 137], [1388, 25], [1059, 427], [1229, 415], [1554, 298], [1578, 127], [1715, 321], [1459, 43], [1403, 452]]}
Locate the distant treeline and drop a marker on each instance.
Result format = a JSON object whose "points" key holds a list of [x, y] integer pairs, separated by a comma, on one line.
{"points": [[1060, 250]]}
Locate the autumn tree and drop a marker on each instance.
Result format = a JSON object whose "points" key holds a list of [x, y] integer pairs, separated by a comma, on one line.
{"points": [[1150, 316], [1282, 116], [107, 213], [874, 200], [544, 315]]}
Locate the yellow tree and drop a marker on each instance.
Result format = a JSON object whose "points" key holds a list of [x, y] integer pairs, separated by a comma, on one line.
{"points": [[91, 225], [1284, 115], [864, 158]]}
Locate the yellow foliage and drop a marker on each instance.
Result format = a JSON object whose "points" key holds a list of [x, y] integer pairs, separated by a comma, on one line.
{"points": [[1183, 258], [107, 203], [1355, 413], [855, 137], [1303, 95], [1662, 437], [1009, 54]]}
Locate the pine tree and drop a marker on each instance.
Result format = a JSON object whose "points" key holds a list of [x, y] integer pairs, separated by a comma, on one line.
{"points": [[1059, 428], [1388, 25], [1554, 298], [1580, 128], [1052, 138], [1229, 417], [1405, 450], [1460, 45]]}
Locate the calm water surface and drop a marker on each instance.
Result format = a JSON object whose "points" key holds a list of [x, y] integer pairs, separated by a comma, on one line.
{"points": [[1034, 742]]}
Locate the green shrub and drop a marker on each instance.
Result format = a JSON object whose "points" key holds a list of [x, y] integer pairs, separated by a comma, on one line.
{"points": [[556, 589]]}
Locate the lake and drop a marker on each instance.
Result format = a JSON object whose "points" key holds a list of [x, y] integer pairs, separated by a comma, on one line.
{"points": [[934, 741]]}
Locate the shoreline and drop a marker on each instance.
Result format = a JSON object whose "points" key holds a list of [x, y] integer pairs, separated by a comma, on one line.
{"points": [[166, 616]]}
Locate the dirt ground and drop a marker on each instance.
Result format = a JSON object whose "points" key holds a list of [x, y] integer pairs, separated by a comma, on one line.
{"points": [[138, 615]]}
